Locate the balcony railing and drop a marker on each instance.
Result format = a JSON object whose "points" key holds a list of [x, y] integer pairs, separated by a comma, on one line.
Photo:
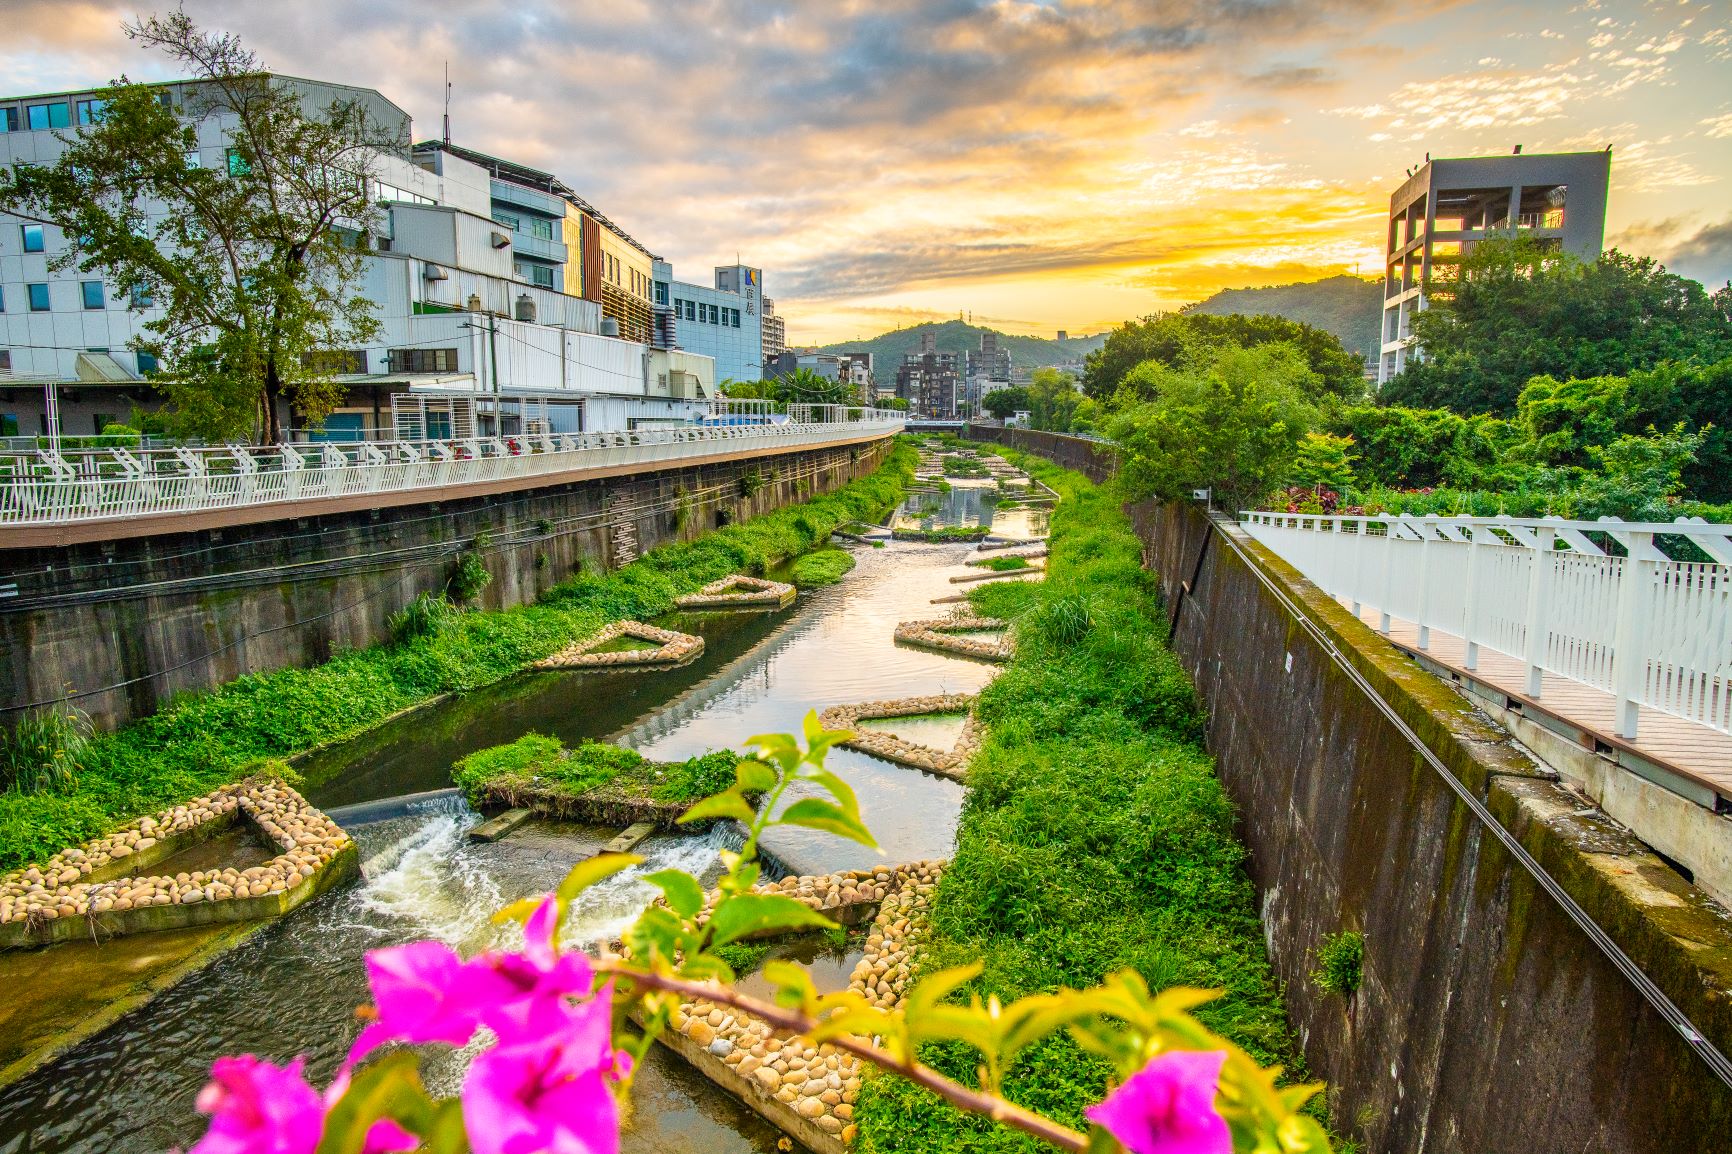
{"points": [[40, 487], [1645, 627]]}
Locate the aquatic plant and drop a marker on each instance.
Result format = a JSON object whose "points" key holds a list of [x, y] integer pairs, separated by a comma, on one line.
{"points": [[825, 567], [552, 1066]]}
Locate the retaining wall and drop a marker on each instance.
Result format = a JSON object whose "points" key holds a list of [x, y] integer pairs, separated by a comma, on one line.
{"points": [[127, 624]]}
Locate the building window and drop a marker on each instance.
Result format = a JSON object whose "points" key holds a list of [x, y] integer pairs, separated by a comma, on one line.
{"points": [[335, 361], [35, 240], [2, 298], [147, 365], [509, 220], [40, 116], [238, 164], [90, 111], [661, 293], [92, 293], [5, 360], [8, 120], [38, 298], [142, 297], [8, 421], [423, 360], [193, 159]]}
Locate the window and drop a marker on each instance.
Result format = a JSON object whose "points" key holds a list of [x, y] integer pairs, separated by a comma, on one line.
{"points": [[691, 311], [542, 275], [90, 111], [8, 421], [101, 421], [5, 360], [2, 298], [147, 364], [736, 313], [423, 360], [8, 120], [38, 298], [142, 296], [661, 293], [238, 164], [40, 116], [35, 240], [509, 220], [193, 160], [541, 228], [334, 361], [93, 295]]}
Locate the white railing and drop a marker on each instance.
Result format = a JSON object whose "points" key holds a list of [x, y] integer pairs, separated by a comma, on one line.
{"points": [[39, 487], [1555, 595]]}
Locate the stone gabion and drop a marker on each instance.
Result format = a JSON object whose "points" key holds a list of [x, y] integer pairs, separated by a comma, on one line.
{"points": [[821, 1084], [673, 648], [947, 762], [942, 633], [61, 887], [736, 592]]}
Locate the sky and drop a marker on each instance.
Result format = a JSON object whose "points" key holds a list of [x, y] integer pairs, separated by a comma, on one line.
{"points": [[1035, 165]]}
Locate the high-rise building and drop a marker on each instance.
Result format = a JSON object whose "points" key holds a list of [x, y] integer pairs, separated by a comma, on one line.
{"points": [[930, 381], [1445, 207], [775, 332], [991, 362]]}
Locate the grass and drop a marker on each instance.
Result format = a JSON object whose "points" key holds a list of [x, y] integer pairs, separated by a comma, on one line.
{"points": [[201, 741], [536, 761], [825, 567], [1005, 564], [1094, 836]]}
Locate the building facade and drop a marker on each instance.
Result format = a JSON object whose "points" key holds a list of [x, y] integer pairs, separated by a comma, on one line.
{"points": [[775, 332], [722, 322], [1447, 206], [930, 381]]}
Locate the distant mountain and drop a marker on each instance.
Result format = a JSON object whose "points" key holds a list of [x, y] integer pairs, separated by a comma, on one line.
{"points": [[958, 337], [1347, 306]]}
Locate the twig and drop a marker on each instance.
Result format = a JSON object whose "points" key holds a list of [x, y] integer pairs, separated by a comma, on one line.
{"points": [[796, 1022]]}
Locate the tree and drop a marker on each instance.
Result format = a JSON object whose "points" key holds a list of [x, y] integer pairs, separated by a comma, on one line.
{"points": [[1183, 339], [1516, 309], [1001, 403], [1420, 448], [1323, 462], [1232, 425], [806, 387], [1052, 399], [255, 264]]}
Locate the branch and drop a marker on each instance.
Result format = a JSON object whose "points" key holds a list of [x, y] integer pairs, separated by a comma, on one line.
{"points": [[796, 1022]]}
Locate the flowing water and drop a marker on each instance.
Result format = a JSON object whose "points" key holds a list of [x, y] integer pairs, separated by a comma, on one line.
{"points": [[292, 988]]}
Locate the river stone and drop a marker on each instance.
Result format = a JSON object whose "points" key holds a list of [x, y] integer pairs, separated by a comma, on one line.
{"points": [[809, 1108], [721, 1047], [701, 1032], [768, 1078]]}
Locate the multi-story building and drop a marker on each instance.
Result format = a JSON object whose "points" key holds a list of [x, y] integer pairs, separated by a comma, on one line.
{"points": [[775, 332], [721, 322], [991, 362], [470, 281], [1445, 207], [930, 381]]}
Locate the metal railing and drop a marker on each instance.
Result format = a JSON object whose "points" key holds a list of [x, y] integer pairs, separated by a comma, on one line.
{"points": [[39, 487], [1598, 602]]}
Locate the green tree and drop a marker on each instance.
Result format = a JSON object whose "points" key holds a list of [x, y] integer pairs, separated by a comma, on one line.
{"points": [[1001, 403], [1322, 461], [1232, 425], [1420, 448], [1516, 309], [1182, 339], [805, 387], [1052, 399], [255, 264], [1636, 477]]}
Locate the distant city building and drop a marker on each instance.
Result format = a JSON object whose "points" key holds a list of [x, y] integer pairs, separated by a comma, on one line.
{"points": [[721, 322], [775, 332], [991, 362], [1447, 206], [930, 381], [1062, 335]]}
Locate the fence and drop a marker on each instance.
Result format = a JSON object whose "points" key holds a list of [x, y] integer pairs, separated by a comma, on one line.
{"points": [[1629, 608], [39, 487]]}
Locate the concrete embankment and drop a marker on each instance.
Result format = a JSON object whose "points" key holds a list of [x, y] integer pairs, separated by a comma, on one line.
{"points": [[1487, 1019]]}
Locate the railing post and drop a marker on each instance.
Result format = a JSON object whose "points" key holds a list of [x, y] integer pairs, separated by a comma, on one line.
{"points": [[1539, 594], [1470, 598], [1629, 661], [1389, 539], [1428, 530], [1358, 568]]}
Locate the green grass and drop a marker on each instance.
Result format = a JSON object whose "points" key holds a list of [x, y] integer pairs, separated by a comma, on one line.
{"points": [[202, 741], [1094, 835], [544, 763], [1005, 564], [825, 567]]}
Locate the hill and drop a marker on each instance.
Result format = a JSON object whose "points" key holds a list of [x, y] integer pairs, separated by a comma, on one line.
{"points": [[1347, 306], [958, 337]]}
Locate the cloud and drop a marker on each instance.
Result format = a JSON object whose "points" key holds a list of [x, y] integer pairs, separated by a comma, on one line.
{"points": [[1705, 256]]}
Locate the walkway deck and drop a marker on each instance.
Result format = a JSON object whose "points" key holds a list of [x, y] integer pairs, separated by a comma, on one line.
{"points": [[1694, 752]]}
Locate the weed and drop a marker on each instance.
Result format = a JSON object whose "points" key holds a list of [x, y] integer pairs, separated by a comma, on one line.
{"points": [[1340, 963], [470, 576], [44, 750], [428, 615], [825, 567]]}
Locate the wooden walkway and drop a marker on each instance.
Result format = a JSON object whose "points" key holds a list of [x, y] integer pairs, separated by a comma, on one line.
{"points": [[1692, 751]]}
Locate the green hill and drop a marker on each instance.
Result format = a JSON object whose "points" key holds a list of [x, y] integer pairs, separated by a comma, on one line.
{"points": [[958, 337], [1347, 306]]}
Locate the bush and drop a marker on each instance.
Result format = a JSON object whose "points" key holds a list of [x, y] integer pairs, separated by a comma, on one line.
{"points": [[542, 762], [1340, 963], [470, 576], [44, 750], [427, 616], [825, 567]]}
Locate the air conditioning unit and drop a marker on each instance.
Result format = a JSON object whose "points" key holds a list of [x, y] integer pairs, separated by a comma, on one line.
{"points": [[434, 272]]}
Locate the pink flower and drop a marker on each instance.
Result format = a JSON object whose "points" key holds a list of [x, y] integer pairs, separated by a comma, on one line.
{"points": [[547, 1096], [1168, 1107], [258, 1108]]}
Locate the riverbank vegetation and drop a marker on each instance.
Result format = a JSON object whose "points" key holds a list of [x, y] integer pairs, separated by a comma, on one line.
{"points": [[202, 741], [538, 764], [824, 567], [1094, 836]]}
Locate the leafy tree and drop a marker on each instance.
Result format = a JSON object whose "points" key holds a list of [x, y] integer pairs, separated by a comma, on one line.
{"points": [[1637, 477], [1421, 448], [1516, 310], [1052, 399], [805, 387], [1323, 462], [1183, 339], [1232, 424], [1001, 403], [255, 263]]}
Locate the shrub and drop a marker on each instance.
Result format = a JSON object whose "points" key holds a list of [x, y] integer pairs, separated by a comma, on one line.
{"points": [[470, 576], [44, 750], [1340, 963], [427, 616]]}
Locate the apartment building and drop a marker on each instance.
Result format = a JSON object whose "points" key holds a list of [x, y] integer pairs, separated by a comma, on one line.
{"points": [[721, 321], [930, 381], [1445, 207], [775, 330]]}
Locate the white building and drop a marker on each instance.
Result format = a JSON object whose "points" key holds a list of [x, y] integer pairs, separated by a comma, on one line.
{"points": [[458, 312]]}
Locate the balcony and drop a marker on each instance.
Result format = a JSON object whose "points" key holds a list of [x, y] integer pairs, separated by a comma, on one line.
{"points": [[530, 245], [535, 200]]}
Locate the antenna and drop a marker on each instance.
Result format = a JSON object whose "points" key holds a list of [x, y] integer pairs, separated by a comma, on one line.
{"points": [[447, 102]]}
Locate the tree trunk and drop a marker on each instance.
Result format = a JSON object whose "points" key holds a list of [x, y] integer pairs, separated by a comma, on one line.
{"points": [[273, 392]]}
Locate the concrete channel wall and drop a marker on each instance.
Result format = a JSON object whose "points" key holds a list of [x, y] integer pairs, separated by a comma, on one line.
{"points": [[142, 619], [1487, 1020]]}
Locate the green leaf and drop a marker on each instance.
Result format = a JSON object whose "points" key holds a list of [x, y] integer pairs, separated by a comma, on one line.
{"points": [[685, 896], [792, 983], [519, 910], [743, 915], [753, 776], [815, 813], [592, 870], [388, 1088], [930, 991], [723, 805], [843, 792]]}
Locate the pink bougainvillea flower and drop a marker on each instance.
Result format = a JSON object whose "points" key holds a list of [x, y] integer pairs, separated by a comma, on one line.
{"points": [[1168, 1107], [550, 1095], [540, 980], [258, 1108], [383, 1136]]}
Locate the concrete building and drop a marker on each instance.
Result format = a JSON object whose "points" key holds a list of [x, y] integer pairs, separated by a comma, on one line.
{"points": [[469, 277], [775, 332], [1447, 206], [930, 381], [722, 322], [990, 362]]}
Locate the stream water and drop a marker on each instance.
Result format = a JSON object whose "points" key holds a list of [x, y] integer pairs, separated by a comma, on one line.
{"points": [[292, 988]]}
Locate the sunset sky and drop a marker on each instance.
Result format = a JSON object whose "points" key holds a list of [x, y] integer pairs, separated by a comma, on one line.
{"points": [[1041, 165]]}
